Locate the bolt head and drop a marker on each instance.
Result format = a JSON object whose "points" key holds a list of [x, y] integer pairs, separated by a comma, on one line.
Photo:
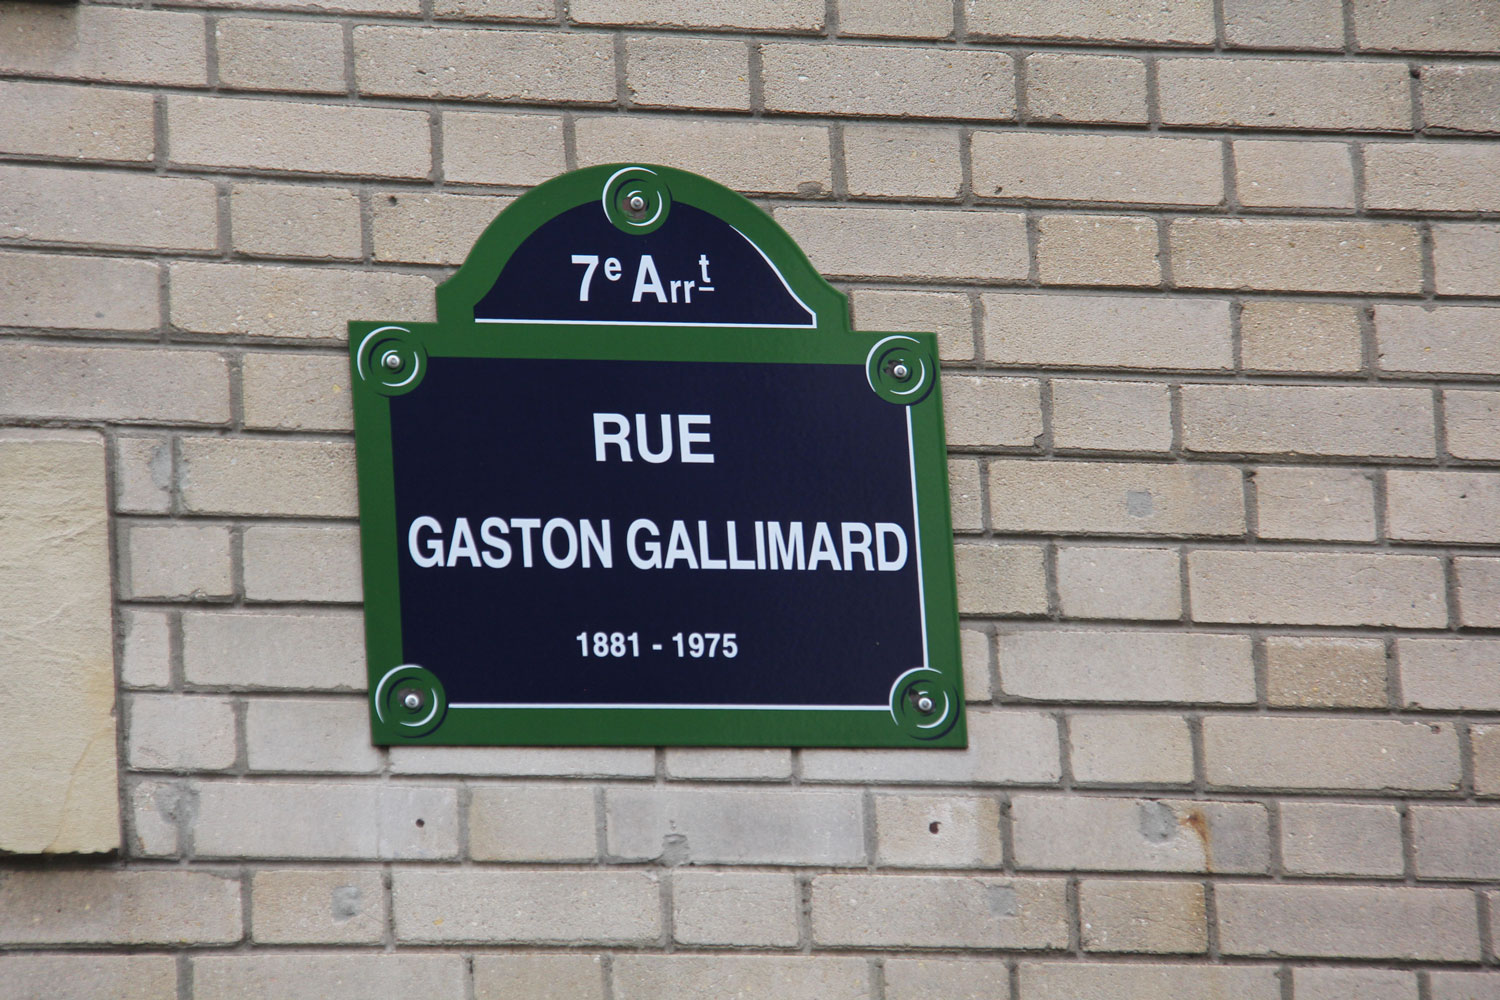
{"points": [[391, 360], [412, 700], [925, 704], [636, 203], [901, 371]]}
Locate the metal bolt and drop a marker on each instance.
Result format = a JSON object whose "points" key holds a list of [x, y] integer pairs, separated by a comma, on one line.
{"points": [[925, 704], [901, 371], [636, 203], [412, 700], [391, 360]]}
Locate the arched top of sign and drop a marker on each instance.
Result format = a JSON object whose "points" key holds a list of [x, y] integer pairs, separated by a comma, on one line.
{"points": [[639, 245]]}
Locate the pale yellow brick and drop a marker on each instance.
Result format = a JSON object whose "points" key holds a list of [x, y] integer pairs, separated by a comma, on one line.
{"points": [[1300, 336], [478, 64], [975, 647], [91, 123], [1000, 579], [1189, 22], [292, 563], [82, 293], [303, 392], [309, 734], [1466, 258], [143, 475], [1084, 832], [1160, 667], [1461, 98], [259, 477], [1451, 674], [947, 314], [1431, 506], [538, 976], [877, 19], [532, 823], [1130, 748], [911, 243], [317, 906], [964, 494], [156, 807], [888, 80], [589, 762], [259, 54], [1111, 416], [90, 977], [1461, 339], [505, 10], [1312, 255], [1325, 672], [115, 44], [267, 300], [317, 651], [1340, 838], [412, 7], [1464, 985], [430, 228], [1317, 588], [1486, 748], [46, 204], [1389, 922], [175, 732], [1284, 24], [178, 561], [1114, 582], [1432, 176], [734, 825], [1478, 591], [1330, 753], [1115, 498], [105, 906], [242, 134], [1127, 915], [1283, 174], [507, 905], [754, 157], [327, 976], [770, 15], [1004, 746], [1114, 331], [324, 819], [494, 148], [145, 649], [1426, 26], [117, 384], [894, 161], [720, 764], [1353, 984], [1052, 166], [1097, 250], [287, 220], [1071, 87], [928, 978], [667, 72], [1285, 94], [800, 977], [1315, 503], [987, 412], [1133, 981], [937, 831], [935, 911], [735, 908]]}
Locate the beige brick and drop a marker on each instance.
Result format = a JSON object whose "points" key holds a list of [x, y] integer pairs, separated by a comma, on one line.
{"points": [[1464, 985], [105, 906], [89, 123], [1115, 331], [1000, 579], [1071, 87], [872, 18], [311, 138], [143, 475], [1354, 984], [579, 762], [556, 976], [412, 7], [1323, 672], [1426, 26], [296, 392], [430, 228], [987, 412], [1284, 94], [319, 651], [309, 734], [946, 979], [975, 647], [1300, 336], [937, 831], [667, 72], [1097, 250], [1317, 588], [484, 65], [1115, 498], [325, 820], [178, 561], [493, 148], [1461, 98], [327, 976], [1466, 258], [506, 10], [1133, 916], [1478, 591], [90, 977], [287, 220], [1450, 673], [1074, 832], [772, 15], [1119, 981], [1443, 506], [82, 293], [1004, 747], [265, 300], [895, 161], [1461, 339], [115, 44], [1374, 754], [1111, 416], [735, 908], [1315, 503], [248, 476], [120, 385], [109, 208], [1277, 174], [1308, 420], [1127, 666], [754, 157], [647, 977], [718, 764], [145, 649], [156, 811], [1432, 176], [258, 54], [172, 732], [933, 911], [1486, 743], [1340, 838], [482, 905], [1284, 24], [1130, 747], [1391, 922], [532, 823], [888, 80], [1052, 166], [963, 489], [1313, 256], [948, 314], [287, 563], [911, 243], [1173, 21], [317, 906], [733, 826], [1098, 582]]}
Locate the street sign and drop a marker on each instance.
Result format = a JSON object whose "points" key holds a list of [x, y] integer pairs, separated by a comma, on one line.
{"points": [[640, 484]]}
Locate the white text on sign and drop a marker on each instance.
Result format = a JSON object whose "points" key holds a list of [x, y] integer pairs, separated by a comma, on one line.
{"points": [[648, 280]]}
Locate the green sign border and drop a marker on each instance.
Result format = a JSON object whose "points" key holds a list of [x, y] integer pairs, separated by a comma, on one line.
{"points": [[389, 358]]}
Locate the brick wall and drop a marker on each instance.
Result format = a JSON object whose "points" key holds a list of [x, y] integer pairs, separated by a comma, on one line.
{"points": [[1218, 289]]}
